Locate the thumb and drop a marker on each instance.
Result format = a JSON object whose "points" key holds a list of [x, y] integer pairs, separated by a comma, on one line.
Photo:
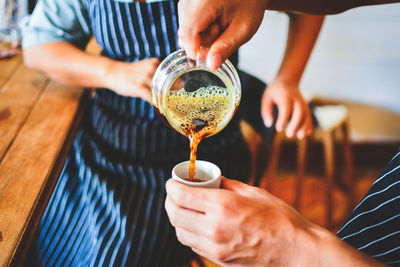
{"points": [[236, 186], [233, 36], [243, 189]]}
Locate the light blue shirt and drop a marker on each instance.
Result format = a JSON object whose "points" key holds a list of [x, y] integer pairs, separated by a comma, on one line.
{"points": [[57, 21]]}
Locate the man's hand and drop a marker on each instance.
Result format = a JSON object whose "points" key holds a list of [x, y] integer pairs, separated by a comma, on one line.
{"points": [[224, 24], [132, 79], [239, 225]]}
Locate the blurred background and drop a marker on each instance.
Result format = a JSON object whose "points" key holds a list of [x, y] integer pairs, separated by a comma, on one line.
{"points": [[356, 59], [356, 64]]}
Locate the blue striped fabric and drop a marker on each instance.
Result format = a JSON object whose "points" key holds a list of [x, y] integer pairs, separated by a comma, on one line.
{"points": [[374, 225], [108, 206]]}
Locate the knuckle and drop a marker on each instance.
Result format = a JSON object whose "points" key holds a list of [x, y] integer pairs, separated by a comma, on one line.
{"points": [[155, 62], [225, 206], [149, 76], [170, 209], [181, 198], [181, 33], [167, 205], [179, 235], [220, 254], [243, 30], [142, 82], [172, 215], [216, 234]]}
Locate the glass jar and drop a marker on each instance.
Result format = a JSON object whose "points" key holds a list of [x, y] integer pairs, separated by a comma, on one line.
{"points": [[12, 12], [192, 97]]}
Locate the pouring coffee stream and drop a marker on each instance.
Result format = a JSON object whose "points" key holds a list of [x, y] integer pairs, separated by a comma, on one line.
{"points": [[194, 100]]}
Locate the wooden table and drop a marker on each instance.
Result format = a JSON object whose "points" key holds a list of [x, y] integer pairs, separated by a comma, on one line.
{"points": [[38, 119]]}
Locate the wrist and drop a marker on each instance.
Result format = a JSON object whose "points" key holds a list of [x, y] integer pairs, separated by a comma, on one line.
{"points": [[325, 249], [307, 245], [288, 81], [108, 73], [99, 68]]}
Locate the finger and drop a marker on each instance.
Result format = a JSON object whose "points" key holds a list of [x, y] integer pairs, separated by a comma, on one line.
{"points": [[234, 35], [207, 38], [298, 116], [209, 256], [219, 253], [214, 31], [306, 129], [310, 125], [146, 94], [155, 62], [284, 111], [216, 252], [205, 255], [186, 219], [194, 198], [240, 188], [180, 43], [232, 185], [267, 111], [189, 42], [196, 242], [189, 33]]}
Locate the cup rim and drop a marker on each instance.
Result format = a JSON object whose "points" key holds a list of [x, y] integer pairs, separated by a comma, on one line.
{"points": [[197, 183]]}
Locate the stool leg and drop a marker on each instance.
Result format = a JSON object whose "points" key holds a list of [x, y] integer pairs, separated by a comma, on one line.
{"points": [[349, 165], [265, 181], [259, 157], [329, 158], [301, 166]]}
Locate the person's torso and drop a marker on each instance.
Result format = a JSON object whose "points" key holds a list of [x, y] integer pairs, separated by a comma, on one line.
{"points": [[132, 30]]}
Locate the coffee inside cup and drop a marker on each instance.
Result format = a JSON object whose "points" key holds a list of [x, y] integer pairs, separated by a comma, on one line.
{"points": [[196, 180], [207, 175]]}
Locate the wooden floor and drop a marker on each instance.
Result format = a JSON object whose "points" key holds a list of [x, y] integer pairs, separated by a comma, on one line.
{"points": [[312, 202]]}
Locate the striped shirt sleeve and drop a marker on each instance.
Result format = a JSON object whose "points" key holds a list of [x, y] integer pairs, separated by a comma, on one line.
{"points": [[374, 225]]}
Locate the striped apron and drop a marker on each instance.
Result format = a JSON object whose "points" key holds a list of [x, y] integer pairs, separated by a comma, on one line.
{"points": [[108, 206]]}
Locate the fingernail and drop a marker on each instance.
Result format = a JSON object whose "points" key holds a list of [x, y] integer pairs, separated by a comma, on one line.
{"points": [[268, 123], [214, 61]]}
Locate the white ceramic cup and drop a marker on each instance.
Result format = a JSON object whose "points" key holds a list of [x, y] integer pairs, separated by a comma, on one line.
{"points": [[207, 171]]}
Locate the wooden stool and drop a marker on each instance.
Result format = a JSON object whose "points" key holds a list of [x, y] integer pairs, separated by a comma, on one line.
{"points": [[332, 121]]}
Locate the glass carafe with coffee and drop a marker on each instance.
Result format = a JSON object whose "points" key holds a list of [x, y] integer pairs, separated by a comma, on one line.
{"points": [[194, 100]]}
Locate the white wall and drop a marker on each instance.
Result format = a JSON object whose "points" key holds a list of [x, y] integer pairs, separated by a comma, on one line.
{"points": [[356, 58]]}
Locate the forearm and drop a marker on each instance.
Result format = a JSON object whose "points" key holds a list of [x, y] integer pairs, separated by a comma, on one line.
{"points": [[321, 7], [323, 248], [302, 35], [68, 64]]}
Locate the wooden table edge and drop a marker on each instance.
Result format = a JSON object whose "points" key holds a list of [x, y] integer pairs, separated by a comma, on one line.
{"points": [[20, 252]]}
